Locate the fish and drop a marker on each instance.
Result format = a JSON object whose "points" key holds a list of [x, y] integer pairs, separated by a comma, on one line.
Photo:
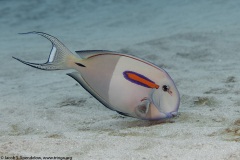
{"points": [[123, 83]]}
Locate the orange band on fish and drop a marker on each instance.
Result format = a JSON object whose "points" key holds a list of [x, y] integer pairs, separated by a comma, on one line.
{"points": [[139, 79]]}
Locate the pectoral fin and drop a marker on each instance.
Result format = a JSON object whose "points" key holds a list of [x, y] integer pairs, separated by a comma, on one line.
{"points": [[143, 108]]}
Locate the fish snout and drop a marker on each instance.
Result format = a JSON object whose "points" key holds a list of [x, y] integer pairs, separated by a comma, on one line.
{"points": [[166, 101]]}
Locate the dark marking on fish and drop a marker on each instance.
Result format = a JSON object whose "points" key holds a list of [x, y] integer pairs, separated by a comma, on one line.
{"points": [[79, 64], [139, 79]]}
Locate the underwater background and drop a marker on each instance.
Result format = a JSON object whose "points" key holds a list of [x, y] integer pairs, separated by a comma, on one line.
{"points": [[49, 114]]}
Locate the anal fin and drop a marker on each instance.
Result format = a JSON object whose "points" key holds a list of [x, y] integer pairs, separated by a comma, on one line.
{"points": [[77, 76]]}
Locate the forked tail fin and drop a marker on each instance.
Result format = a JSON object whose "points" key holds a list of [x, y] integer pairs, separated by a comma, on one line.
{"points": [[60, 56]]}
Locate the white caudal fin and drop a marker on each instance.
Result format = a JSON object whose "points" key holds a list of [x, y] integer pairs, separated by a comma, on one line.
{"points": [[58, 58]]}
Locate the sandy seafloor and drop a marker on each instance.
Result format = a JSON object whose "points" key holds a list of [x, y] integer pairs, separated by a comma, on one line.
{"points": [[49, 114]]}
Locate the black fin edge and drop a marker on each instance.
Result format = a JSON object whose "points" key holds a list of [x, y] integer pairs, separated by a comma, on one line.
{"points": [[92, 51], [123, 114]]}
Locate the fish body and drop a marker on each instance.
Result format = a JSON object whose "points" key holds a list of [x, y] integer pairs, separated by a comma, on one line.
{"points": [[123, 83]]}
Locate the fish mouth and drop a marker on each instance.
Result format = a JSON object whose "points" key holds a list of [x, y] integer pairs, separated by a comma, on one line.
{"points": [[171, 114]]}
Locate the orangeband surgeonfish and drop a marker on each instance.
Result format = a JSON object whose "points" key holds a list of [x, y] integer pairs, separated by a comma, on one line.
{"points": [[123, 83]]}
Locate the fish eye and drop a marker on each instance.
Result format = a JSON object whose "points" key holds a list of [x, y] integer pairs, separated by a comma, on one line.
{"points": [[165, 88]]}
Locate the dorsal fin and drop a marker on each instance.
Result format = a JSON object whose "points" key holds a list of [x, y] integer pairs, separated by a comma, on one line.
{"points": [[88, 53]]}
